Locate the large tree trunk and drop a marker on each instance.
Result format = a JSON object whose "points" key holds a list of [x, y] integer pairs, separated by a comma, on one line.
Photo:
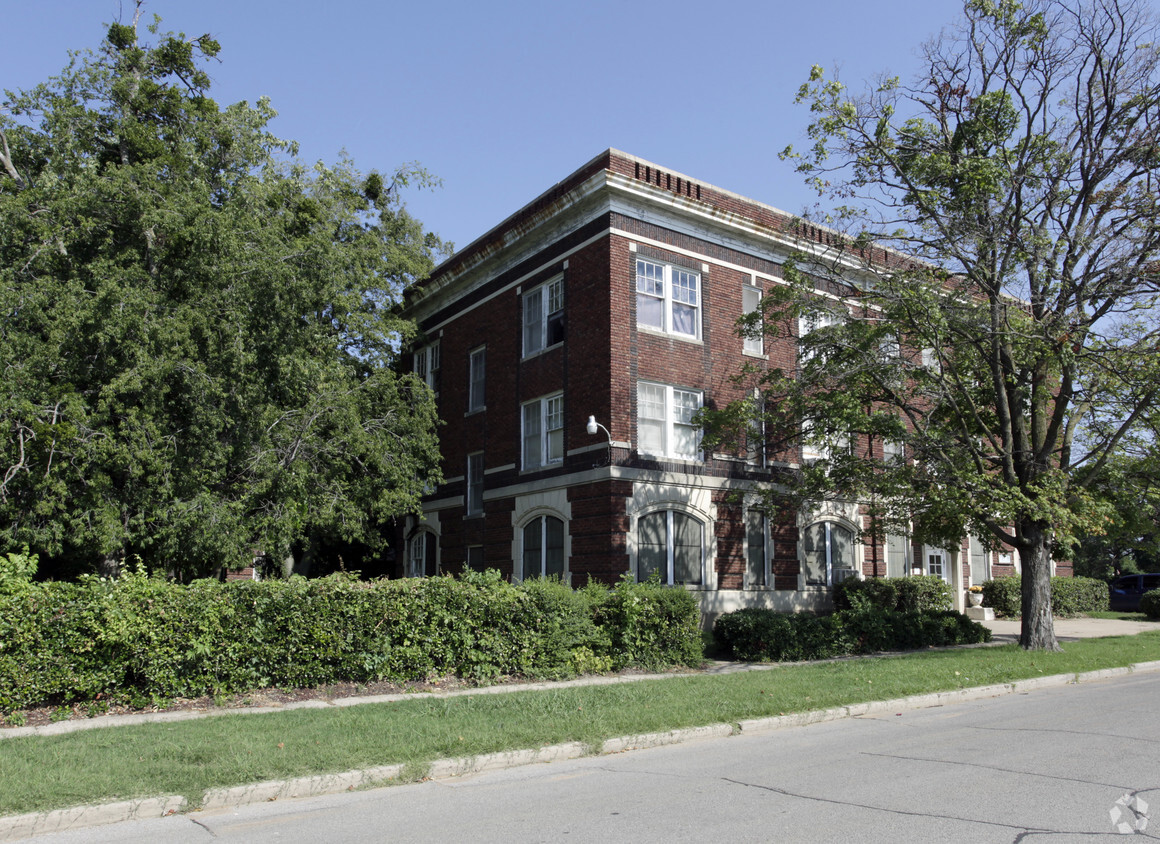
{"points": [[1038, 631], [110, 564]]}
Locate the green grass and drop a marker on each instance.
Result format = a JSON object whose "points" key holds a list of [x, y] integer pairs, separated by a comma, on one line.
{"points": [[46, 772], [1122, 616]]}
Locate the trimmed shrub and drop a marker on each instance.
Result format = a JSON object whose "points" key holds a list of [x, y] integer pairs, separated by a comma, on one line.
{"points": [[903, 594], [1069, 595], [142, 640], [763, 635], [1150, 604]]}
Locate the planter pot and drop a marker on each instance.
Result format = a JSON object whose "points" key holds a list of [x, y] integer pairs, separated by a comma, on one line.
{"points": [[976, 598]]}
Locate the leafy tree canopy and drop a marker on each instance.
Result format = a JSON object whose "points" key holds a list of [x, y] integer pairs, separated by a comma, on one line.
{"points": [[197, 329], [991, 307]]}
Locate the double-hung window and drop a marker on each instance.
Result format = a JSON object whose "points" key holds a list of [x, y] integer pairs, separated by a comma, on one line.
{"points": [[475, 484], [668, 299], [665, 421], [827, 549], [422, 553], [475, 380], [544, 316], [750, 303], [543, 431], [427, 365], [807, 325]]}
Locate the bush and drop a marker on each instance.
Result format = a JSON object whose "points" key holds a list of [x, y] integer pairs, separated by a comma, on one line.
{"points": [[902, 594], [760, 635], [1150, 604], [1069, 595], [142, 640]]}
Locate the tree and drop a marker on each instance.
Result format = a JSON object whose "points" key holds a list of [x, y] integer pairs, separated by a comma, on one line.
{"points": [[198, 331], [990, 308]]}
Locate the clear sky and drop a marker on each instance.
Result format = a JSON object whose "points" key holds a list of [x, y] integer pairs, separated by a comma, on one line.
{"points": [[503, 99]]}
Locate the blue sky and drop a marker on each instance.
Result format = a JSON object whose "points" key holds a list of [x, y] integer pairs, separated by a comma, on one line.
{"points": [[501, 100]]}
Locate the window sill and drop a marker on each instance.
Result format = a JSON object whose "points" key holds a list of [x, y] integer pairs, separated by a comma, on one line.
{"points": [[539, 352], [657, 332]]}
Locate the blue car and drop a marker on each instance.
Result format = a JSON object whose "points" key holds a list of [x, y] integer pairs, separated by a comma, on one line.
{"points": [[1125, 591]]}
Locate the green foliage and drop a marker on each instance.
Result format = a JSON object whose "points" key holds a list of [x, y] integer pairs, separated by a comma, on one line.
{"points": [[1015, 355], [1150, 604], [199, 331], [17, 568], [761, 635], [1070, 596], [142, 640], [919, 593]]}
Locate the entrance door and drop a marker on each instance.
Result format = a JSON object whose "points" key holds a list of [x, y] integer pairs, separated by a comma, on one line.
{"points": [[936, 562]]}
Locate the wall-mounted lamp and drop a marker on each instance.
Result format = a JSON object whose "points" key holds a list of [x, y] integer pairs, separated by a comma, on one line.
{"points": [[593, 427]]}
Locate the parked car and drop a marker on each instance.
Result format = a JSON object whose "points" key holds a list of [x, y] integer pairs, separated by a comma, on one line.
{"points": [[1125, 591]]}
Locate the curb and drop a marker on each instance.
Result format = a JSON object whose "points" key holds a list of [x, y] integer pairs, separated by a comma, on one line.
{"points": [[16, 827]]}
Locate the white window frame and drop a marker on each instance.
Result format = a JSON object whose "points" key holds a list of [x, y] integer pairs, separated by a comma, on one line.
{"points": [[542, 432], [673, 288], [893, 452], [477, 380], [828, 550], [929, 553], [427, 365], [810, 323], [542, 519], [905, 563], [473, 494], [543, 307], [666, 409], [750, 302], [417, 550], [667, 576]]}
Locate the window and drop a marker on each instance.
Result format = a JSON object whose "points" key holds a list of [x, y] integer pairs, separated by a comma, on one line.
{"points": [[668, 299], [475, 484], [756, 560], [751, 302], [893, 452], [821, 446], [810, 323], [543, 431], [670, 542], [897, 556], [475, 557], [427, 365], [827, 553], [930, 360], [543, 547], [665, 421], [980, 560], [544, 316], [755, 437], [475, 380], [421, 555], [936, 562]]}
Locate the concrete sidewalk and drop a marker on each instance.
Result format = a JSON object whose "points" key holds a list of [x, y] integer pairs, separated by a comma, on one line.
{"points": [[1006, 630]]}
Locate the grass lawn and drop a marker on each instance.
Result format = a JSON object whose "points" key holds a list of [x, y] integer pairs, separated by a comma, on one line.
{"points": [[47, 772], [1123, 616]]}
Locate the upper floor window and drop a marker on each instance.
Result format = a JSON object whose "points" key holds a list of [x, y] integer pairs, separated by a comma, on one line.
{"points": [[672, 543], [808, 324], [668, 299], [543, 434], [665, 421], [427, 365], [750, 303], [474, 502], [475, 380], [544, 316]]}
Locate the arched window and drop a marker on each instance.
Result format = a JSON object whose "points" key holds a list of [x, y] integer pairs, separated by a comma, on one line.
{"points": [[672, 543], [421, 555], [826, 547], [543, 547]]}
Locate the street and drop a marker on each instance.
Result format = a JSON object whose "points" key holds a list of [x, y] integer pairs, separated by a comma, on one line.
{"points": [[1070, 763]]}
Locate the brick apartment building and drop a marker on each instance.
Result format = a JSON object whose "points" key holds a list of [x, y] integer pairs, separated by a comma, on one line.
{"points": [[569, 348]]}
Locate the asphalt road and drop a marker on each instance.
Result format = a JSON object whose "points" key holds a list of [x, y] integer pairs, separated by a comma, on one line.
{"points": [[1063, 763]]}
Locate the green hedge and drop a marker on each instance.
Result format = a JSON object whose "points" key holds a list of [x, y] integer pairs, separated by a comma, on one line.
{"points": [[763, 635], [1150, 604], [901, 594], [1070, 596], [144, 641]]}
